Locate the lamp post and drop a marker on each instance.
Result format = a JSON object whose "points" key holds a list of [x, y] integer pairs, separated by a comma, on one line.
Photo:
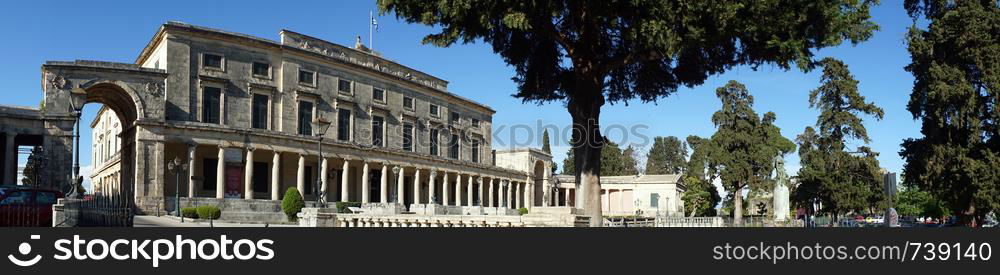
{"points": [[321, 124], [177, 166], [77, 99], [395, 195]]}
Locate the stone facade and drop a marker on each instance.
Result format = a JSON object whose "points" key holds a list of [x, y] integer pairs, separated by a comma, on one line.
{"points": [[105, 152], [645, 195], [239, 112]]}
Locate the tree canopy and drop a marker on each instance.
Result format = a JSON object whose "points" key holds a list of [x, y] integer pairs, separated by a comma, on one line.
{"points": [[667, 156], [745, 144], [843, 181], [956, 65]]}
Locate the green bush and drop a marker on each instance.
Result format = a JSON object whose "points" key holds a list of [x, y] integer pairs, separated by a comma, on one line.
{"points": [[209, 212], [522, 211], [189, 212], [292, 203], [342, 206]]}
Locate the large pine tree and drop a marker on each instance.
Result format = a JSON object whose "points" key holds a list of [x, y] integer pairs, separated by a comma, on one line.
{"points": [[956, 97], [843, 180]]}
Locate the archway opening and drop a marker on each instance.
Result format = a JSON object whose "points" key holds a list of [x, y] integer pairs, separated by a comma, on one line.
{"points": [[107, 141]]}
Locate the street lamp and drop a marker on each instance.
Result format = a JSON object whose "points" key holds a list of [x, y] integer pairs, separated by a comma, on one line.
{"points": [[395, 195], [177, 166], [321, 124], [78, 98]]}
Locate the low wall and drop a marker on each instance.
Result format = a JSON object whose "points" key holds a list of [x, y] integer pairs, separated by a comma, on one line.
{"points": [[321, 217], [243, 210]]}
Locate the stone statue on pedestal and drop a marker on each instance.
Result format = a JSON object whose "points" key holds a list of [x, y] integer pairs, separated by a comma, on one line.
{"points": [[780, 193]]}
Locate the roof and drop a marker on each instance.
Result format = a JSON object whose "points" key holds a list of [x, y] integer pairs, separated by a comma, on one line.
{"points": [[637, 179], [148, 50]]}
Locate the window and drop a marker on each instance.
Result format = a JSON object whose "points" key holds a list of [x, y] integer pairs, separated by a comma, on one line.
{"points": [[378, 95], [45, 198], [378, 131], [344, 86], [475, 151], [408, 137], [654, 200], [259, 111], [455, 118], [262, 69], [17, 198], [475, 123], [453, 147], [307, 77], [408, 103], [434, 142], [344, 125], [212, 105], [213, 61], [435, 112], [305, 117]]}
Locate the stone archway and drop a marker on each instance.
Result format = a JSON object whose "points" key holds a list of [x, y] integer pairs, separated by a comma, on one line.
{"points": [[538, 175], [136, 95]]}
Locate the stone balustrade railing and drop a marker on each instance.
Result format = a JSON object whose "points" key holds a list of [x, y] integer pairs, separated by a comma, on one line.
{"points": [[362, 220]]}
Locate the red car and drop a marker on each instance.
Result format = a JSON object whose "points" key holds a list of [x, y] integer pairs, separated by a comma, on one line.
{"points": [[22, 206]]}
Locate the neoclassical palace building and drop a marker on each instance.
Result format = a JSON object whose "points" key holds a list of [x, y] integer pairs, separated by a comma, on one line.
{"points": [[247, 118]]}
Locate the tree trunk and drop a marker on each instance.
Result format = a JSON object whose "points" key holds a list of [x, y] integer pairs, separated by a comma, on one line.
{"points": [[738, 207], [585, 108]]}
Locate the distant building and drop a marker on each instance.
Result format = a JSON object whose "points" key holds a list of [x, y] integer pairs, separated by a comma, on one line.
{"points": [[623, 195], [105, 154]]}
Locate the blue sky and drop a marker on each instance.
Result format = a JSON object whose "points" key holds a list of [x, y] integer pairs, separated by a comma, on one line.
{"points": [[37, 31]]}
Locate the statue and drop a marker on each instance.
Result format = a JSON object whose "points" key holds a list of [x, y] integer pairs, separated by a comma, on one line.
{"points": [[780, 193]]}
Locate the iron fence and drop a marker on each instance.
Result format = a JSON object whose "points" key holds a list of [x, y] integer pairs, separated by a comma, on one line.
{"points": [[25, 215]]}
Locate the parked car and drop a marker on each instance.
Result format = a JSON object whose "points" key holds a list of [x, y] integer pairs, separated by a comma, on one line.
{"points": [[25, 206]]}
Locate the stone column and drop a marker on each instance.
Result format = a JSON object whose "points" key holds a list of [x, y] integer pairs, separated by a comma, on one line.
{"points": [[444, 190], [458, 189], [510, 189], [248, 175], [489, 198], [344, 183], [220, 174], [384, 190], [567, 197], [10, 159], [545, 184], [482, 191], [276, 176], [191, 165], [416, 185], [324, 182], [400, 187], [468, 193], [529, 192], [300, 180], [431, 189], [366, 185], [518, 197]]}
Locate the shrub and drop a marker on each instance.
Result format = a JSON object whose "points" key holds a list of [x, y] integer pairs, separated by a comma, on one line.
{"points": [[522, 211], [209, 212], [342, 206], [189, 212], [292, 203]]}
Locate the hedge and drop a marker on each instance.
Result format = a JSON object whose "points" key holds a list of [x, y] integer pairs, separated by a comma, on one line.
{"points": [[522, 211], [292, 203], [189, 212], [209, 212]]}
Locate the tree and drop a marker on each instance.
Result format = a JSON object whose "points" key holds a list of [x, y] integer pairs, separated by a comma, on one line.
{"points": [[745, 145], [616, 161], [667, 156], [629, 163], [590, 53], [842, 181], [700, 195], [292, 203], [32, 167], [546, 146], [956, 66], [913, 202]]}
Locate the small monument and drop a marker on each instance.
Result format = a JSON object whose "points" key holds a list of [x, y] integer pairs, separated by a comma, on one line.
{"points": [[780, 193]]}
